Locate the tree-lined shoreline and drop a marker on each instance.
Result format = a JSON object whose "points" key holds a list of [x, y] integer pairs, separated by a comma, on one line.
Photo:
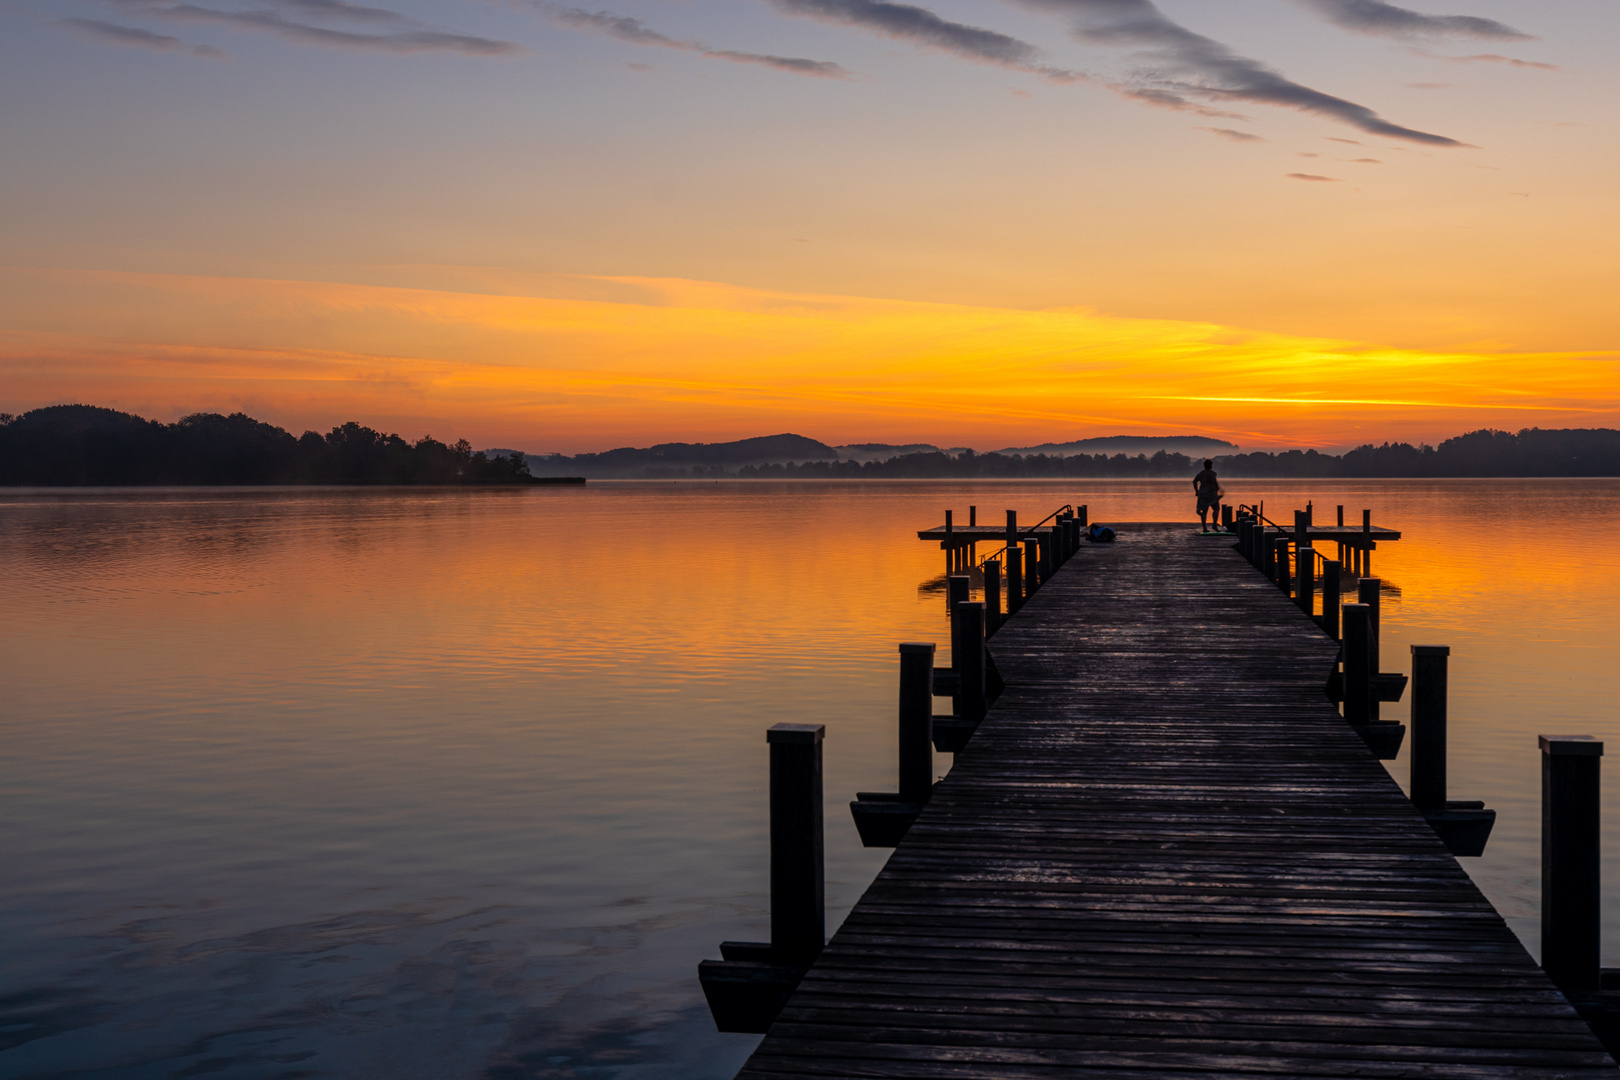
{"points": [[84, 445]]}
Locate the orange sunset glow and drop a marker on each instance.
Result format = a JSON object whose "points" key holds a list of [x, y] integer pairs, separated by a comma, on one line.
{"points": [[1307, 223]]}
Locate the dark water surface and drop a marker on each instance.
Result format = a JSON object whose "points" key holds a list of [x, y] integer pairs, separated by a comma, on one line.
{"points": [[395, 783]]}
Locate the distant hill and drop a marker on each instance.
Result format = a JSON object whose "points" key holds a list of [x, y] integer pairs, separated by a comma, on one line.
{"points": [[685, 459], [1191, 445]]}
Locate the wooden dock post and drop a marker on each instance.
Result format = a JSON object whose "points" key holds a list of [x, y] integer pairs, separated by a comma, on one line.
{"points": [[950, 545], [1368, 592], [1429, 726], [1464, 827], [992, 595], [1341, 515], [884, 818], [1366, 543], [1015, 578], [1080, 512], [747, 988], [1570, 884], [1305, 578], [967, 658], [1332, 596], [798, 889], [916, 720], [1032, 567], [1227, 520], [1280, 568], [1361, 686], [1357, 663], [1012, 529]]}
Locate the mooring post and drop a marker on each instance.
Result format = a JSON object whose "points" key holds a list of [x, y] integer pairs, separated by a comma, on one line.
{"points": [[1267, 553], [1341, 516], [1570, 884], [916, 720], [1049, 555], [1357, 663], [1305, 574], [1081, 511], [798, 889], [1368, 591], [992, 596], [1301, 528], [1332, 596], [1032, 567], [967, 657], [1280, 567], [950, 545], [1015, 578], [973, 515], [1012, 529], [1429, 726], [1227, 520], [1366, 543]]}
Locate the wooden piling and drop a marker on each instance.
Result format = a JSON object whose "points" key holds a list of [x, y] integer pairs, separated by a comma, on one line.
{"points": [[1305, 578], [1012, 529], [1358, 669], [916, 721], [967, 657], [1080, 512], [950, 545], [798, 890], [1570, 884], [1332, 585], [992, 596], [1015, 578], [1429, 726], [1341, 515], [1368, 592], [1032, 567], [1280, 568], [1366, 543]]}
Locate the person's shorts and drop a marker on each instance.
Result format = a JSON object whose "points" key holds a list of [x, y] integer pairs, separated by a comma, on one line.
{"points": [[1208, 502]]}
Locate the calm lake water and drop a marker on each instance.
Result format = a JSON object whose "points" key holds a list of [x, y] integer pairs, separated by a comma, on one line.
{"points": [[392, 783]]}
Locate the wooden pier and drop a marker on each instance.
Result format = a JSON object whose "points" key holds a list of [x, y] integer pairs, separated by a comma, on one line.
{"points": [[1163, 852]]}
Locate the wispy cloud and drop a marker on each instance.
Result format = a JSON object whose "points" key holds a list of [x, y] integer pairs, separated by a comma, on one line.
{"points": [[1229, 133], [1185, 67], [1313, 178], [134, 35], [919, 26], [300, 20], [1488, 58], [637, 32], [1387, 20]]}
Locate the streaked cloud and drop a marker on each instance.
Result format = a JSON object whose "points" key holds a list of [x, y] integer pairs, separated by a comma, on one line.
{"points": [[1232, 134], [636, 32], [1489, 58], [134, 35], [1386, 20], [1182, 68], [1313, 178], [301, 21], [919, 26]]}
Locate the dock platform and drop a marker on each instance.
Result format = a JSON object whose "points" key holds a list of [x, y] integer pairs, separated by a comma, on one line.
{"points": [[1164, 853]]}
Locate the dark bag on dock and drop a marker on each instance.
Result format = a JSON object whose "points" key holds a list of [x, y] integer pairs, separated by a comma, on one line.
{"points": [[1100, 534]]}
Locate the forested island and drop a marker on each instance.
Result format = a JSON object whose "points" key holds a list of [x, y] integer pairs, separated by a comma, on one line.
{"points": [[84, 445]]}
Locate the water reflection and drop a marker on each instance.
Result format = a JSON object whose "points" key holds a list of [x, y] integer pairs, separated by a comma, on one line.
{"points": [[465, 783]]}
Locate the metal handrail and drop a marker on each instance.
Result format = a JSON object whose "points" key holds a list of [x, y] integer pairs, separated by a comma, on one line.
{"points": [[1022, 531]]}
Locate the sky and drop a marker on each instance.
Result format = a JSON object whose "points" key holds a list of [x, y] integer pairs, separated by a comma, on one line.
{"points": [[568, 228]]}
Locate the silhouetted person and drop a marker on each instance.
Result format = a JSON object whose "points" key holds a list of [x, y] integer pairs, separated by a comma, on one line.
{"points": [[1208, 487]]}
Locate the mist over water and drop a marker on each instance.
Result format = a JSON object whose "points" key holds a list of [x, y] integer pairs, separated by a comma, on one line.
{"points": [[314, 782]]}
